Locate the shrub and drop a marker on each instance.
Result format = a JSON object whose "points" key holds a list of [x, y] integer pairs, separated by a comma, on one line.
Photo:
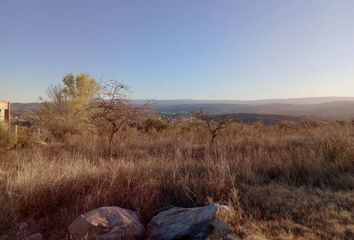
{"points": [[155, 123], [287, 125], [25, 136], [298, 183], [7, 139]]}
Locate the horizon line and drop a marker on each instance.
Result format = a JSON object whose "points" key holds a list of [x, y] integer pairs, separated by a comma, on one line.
{"points": [[194, 99]]}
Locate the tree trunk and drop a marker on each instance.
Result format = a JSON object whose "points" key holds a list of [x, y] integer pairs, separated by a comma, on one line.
{"points": [[113, 132]]}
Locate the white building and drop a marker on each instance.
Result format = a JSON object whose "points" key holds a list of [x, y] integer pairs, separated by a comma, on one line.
{"points": [[4, 112]]}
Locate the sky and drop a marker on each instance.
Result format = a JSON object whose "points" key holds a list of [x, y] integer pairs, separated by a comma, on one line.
{"points": [[180, 49]]}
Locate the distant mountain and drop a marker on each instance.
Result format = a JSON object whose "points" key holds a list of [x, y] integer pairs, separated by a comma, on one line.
{"points": [[25, 106], [295, 101], [267, 119], [340, 108], [332, 110]]}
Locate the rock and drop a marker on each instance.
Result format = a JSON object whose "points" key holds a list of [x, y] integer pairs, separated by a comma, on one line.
{"points": [[220, 230], [107, 223], [23, 226], [192, 223], [36, 236], [23, 230]]}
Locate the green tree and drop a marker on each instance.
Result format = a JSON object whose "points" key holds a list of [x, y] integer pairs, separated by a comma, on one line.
{"points": [[79, 90], [67, 109]]}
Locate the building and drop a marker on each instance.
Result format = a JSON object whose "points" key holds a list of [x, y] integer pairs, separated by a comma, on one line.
{"points": [[4, 112]]}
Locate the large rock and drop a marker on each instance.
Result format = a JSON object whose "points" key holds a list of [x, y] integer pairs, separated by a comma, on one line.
{"points": [[36, 236], [23, 226], [107, 223], [192, 223], [23, 231]]}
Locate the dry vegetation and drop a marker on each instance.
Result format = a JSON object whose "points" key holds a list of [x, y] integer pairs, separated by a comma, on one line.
{"points": [[286, 181]]}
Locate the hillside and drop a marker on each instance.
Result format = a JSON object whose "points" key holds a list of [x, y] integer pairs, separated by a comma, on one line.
{"points": [[316, 108]]}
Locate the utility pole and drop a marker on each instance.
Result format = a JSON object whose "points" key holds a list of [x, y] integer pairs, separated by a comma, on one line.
{"points": [[16, 133], [38, 135]]}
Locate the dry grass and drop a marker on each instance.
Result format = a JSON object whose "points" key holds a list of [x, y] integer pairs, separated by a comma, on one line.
{"points": [[285, 182]]}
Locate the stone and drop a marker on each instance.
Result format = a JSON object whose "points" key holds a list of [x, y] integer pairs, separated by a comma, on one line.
{"points": [[23, 230], [23, 226], [107, 223], [36, 236], [206, 222]]}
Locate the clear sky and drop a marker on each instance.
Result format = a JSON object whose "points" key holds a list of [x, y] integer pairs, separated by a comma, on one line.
{"points": [[169, 49]]}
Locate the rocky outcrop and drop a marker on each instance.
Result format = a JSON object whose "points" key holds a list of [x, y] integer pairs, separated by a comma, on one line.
{"points": [[107, 223], [192, 223]]}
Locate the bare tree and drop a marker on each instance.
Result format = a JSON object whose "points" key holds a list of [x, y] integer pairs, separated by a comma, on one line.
{"points": [[214, 127], [112, 110]]}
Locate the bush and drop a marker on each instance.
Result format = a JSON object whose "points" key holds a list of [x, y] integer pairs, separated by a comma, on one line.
{"points": [[294, 184], [25, 136], [7, 139], [287, 125], [155, 123]]}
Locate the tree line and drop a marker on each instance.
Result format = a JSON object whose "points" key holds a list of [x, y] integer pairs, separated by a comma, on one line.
{"points": [[80, 104]]}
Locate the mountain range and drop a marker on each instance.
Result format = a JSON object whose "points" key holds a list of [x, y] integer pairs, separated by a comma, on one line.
{"points": [[333, 108]]}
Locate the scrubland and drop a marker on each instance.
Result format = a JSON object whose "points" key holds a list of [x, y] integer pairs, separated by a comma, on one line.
{"points": [[285, 181]]}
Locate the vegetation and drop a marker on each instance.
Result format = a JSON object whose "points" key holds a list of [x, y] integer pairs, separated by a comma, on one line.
{"points": [[112, 111], [67, 109], [214, 127], [285, 181], [7, 138]]}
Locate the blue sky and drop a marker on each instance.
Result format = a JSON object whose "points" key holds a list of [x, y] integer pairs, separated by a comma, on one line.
{"points": [[195, 49]]}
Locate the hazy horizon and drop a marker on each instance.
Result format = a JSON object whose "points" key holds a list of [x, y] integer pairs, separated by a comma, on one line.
{"points": [[322, 99], [224, 50]]}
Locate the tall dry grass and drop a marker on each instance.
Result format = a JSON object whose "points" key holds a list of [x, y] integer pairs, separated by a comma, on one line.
{"points": [[285, 181]]}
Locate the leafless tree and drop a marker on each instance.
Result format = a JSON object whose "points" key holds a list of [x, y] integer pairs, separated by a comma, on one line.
{"points": [[214, 126], [112, 110]]}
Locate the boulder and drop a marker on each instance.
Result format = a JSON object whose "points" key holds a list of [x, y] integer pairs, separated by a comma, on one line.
{"points": [[192, 223], [107, 223], [23, 226], [36, 236], [23, 231]]}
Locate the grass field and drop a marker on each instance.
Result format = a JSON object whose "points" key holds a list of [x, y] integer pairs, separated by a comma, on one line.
{"points": [[284, 181]]}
